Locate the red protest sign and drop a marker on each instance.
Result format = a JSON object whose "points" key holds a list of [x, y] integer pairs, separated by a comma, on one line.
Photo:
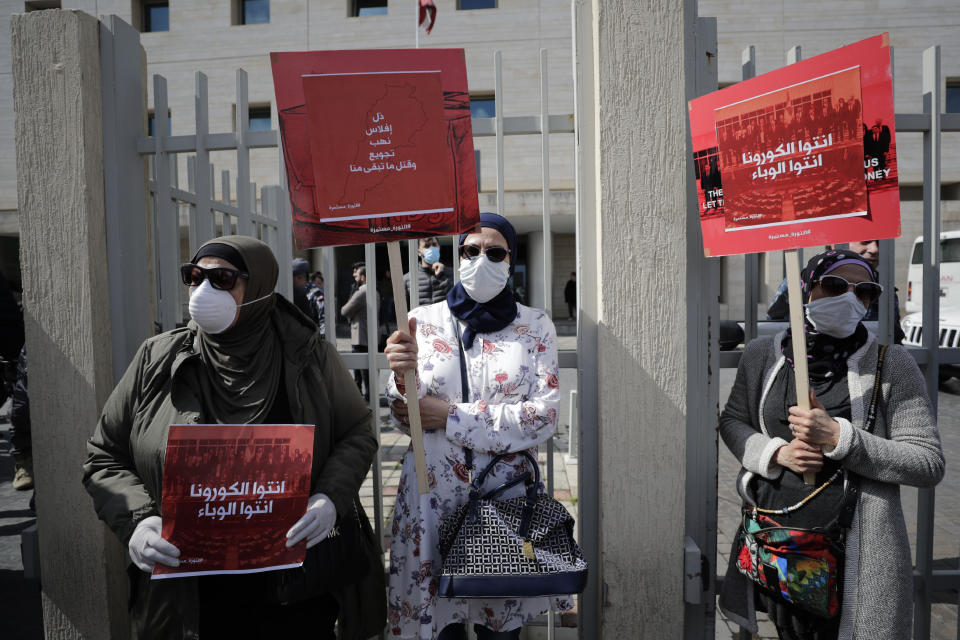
{"points": [[325, 99], [378, 150], [801, 156], [231, 493]]}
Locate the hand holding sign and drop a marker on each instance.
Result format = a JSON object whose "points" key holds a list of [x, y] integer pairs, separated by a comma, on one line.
{"points": [[800, 457], [814, 426]]}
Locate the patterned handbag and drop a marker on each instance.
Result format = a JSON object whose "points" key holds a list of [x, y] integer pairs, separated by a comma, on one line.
{"points": [[801, 565], [513, 547]]}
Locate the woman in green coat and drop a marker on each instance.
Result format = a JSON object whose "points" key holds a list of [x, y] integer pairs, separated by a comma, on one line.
{"points": [[247, 356]]}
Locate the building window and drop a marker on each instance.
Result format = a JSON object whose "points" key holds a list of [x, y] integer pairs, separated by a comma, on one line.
{"points": [[953, 95], [151, 127], [362, 8], [466, 5], [152, 15], [259, 118], [250, 12], [483, 106], [40, 5]]}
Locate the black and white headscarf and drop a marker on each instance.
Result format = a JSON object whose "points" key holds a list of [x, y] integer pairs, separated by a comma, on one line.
{"points": [[826, 355]]}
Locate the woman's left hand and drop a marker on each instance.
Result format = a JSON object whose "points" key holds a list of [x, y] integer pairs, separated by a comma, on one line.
{"points": [[814, 425], [316, 523], [433, 413]]}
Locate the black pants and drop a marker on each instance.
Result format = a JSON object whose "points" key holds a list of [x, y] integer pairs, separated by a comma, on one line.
{"points": [[459, 632], [361, 376], [240, 607], [572, 308]]}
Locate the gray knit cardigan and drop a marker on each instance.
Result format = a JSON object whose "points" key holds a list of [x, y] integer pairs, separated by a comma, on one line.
{"points": [[904, 448]]}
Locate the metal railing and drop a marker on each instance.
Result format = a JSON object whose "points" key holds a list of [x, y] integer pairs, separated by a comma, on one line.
{"points": [[266, 217]]}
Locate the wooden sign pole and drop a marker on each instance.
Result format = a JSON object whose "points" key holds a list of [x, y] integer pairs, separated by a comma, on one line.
{"points": [[799, 339], [410, 375]]}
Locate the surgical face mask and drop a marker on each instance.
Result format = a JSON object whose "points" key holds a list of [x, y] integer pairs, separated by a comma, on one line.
{"points": [[483, 279], [214, 309], [836, 316], [431, 254]]}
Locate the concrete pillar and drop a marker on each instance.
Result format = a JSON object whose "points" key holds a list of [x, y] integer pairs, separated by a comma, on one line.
{"points": [[638, 73], [59, 143]]}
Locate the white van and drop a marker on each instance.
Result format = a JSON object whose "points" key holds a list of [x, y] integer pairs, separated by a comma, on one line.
{"points": [[912, 323], [949, 273]]}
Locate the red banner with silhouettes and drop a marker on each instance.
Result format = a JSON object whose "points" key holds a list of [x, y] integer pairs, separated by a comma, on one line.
{"points": [[802, 156]]}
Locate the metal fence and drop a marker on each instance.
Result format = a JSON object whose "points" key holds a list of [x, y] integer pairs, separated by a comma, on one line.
{"points": [[931, 123], [205, 215]]}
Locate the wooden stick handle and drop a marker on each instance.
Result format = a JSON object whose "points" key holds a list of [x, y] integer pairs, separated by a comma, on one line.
{"points": [[799, 339], [410, 375]]}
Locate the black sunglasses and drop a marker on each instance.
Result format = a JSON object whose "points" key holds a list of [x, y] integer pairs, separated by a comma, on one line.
{"points": [[494, 254], [222, 278], [837, 286]]}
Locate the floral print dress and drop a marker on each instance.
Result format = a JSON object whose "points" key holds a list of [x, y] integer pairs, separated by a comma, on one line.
{"points": [[514, 396]]}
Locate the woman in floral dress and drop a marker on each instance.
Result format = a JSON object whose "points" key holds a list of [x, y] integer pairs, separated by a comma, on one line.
{"points": [[511, 364]]}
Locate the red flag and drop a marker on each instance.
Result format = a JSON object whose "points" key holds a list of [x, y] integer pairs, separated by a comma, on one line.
{"points": [[428, 10]]}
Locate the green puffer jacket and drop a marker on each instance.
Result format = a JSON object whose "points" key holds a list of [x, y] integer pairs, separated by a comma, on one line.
{"points": [[124, 469]]}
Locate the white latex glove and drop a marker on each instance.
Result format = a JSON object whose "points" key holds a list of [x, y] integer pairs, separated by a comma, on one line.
{"points": [[147, 547], [316, 523]]}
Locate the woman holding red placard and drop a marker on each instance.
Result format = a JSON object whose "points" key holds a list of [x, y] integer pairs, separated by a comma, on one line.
{"points": [[833, 559], [247, 356], [510, 368]]}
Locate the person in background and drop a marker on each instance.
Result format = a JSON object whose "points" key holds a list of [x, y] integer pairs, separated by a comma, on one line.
{"points": [[247, 356], [20, 437], [869, 250], [11, 350], [11, 325], [433, 277], [316, 301], [570, 295], [355, 310], [777, 441], [301, 269], [510, 359]]}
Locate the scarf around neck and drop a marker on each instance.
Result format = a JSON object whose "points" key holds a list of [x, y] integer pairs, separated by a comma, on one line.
{"points": [[240, 369]]}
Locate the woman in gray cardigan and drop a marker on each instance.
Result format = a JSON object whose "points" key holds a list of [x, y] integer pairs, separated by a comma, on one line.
{"points": [[776, 442]]}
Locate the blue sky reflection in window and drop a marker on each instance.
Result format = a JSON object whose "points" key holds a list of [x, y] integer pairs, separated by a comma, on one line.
{"points": [[256, 11]]}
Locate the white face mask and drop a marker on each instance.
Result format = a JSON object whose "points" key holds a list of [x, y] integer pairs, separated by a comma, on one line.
{"points": [[214, 309], [483, 279], [836, 316]]}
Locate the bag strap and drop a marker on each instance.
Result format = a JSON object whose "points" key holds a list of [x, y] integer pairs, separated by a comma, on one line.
{"points": [[852, 494], [464, 395]]}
